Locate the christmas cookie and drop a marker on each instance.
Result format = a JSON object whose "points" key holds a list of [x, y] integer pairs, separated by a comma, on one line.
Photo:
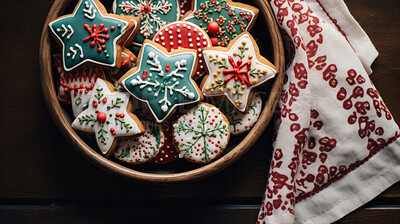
{"points": [[143, 148], [167, 153], [201, 134], [185, 6], [223, 19], [108, 117], [91, 35], [235, 71], [182, 34], [242, 122], [163, 80], [76, 87], [128, 61], [153, 15]]}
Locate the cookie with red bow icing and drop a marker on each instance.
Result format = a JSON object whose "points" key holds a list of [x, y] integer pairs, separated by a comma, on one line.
{"points": [[187, 35], [91, 35], [108, 117], [235, 71]]}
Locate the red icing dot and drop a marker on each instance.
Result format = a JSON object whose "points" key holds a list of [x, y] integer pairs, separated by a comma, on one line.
{"points": [[230, 13], [216, 151], [167, 68], [205, 16], [213, 27], [101, 117], [203, 6], [144, 76], [213, 2], [122, 115], [196, 12], [112, 28], [241, 13], [117, 114], [222, 45], [104, 100]]}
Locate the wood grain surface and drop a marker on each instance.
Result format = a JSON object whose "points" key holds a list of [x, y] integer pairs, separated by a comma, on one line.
{"points": [[44, 180]]}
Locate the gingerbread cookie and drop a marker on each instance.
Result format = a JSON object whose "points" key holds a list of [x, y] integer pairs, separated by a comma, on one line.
{"points": [[91, 35], [76, 87], [235, 71], [201, 134], [182, 34], [108, 117], [167, 153], [163, 80], [242, 122], [223, 19], [153, 15], [143, 148]]}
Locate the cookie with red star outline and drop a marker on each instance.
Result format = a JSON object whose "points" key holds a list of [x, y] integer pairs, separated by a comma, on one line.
{"points": [[91, 35], [235, 71], [108, 117]]}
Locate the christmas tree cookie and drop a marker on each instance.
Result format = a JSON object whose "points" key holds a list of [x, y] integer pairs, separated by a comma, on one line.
{"points": [[235, 71], [201, 134], [163, 80], [222, 19], [76, 87], [108, 117], [242, 122], [143, 148], [153, 15], [91, 35], [186, 35]]}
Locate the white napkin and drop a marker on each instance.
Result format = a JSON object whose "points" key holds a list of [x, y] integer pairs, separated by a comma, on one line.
{"points": [[337, 145]]}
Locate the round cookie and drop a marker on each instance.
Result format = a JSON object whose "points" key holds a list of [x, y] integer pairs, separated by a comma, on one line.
{"points": [[183, 34], [76, 86], [168, 152], [201, 134], [143, 148], [242, 122]]}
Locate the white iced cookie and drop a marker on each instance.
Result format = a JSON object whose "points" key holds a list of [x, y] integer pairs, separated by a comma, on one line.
{"points": [[143, 148], [201, 134]]}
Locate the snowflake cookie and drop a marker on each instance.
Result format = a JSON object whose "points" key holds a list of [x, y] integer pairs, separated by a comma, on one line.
{"points": [[76, 87], [223, 19], [153, 15], [168, 152], [235, 71], [242, 122], [143, 148], [201, 134], [92, 35], [163, 80], [108, 116], [182, 34]]}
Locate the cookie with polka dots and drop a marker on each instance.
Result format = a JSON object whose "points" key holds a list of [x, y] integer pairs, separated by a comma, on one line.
{"points": [[242, 122], [201, 134], [168, 152], [235, 71], [222, 19], [92, 36], [143, 148], [185, 6], [108, 117], [76, 86], [179, 35]]}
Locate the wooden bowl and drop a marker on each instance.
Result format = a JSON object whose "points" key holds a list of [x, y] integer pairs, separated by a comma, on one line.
{"points": [[61, 117]]}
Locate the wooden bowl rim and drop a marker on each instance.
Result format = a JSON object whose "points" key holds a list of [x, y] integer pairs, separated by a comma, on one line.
{"points": [[218, 165]]}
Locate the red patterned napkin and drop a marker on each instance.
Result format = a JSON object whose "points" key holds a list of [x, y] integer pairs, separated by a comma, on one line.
{"points": [[337, 144]]}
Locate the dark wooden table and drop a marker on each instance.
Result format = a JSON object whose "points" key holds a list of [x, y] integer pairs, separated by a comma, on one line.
{"points": [[44, 180]]}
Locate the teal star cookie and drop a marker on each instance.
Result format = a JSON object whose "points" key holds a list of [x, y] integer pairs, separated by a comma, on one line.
{"points": [[89, 34], [163, 80]]}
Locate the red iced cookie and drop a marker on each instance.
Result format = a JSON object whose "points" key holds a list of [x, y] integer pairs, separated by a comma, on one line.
{"points": [[182, 34], [167, 153], [185, 6]]}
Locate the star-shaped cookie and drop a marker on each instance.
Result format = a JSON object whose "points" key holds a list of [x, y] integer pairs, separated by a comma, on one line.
{"points": [[235, 71], [108, 116], [163, 80], [92, 35]]}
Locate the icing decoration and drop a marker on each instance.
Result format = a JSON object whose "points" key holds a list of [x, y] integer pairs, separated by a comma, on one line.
{"points": [[153, 14], [182, 34], [76, 87], [201, 134], [128, 62], [167, 153], [143, 148], [232, 19], [107, 117], [89, 36], [235, 71], [185, 6], [163, 80], [242, 122]]}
